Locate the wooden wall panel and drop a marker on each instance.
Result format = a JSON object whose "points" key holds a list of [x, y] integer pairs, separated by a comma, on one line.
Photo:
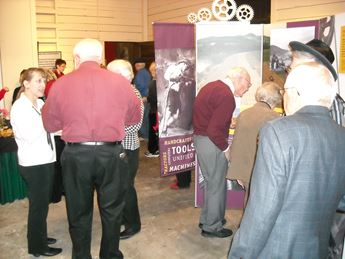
{"points": [[294, 10], [45, 34], [172, 11], [45, 3], [131, 20], [62, 23]]}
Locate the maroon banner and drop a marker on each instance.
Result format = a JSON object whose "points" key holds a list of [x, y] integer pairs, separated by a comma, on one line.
{"points": [[175, 63]]}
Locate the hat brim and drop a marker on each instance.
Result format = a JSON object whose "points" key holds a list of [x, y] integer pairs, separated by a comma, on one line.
{"points": [[299, 46]]}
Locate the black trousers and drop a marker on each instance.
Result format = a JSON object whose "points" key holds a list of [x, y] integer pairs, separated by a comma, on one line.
{"points": [[152, 144], [39, 180], [89, 168], [131, 216], [184, 179], [58, 187]]}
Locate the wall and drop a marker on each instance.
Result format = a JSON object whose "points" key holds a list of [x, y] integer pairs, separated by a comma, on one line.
{"points": [[172, 11], [18, 47], [61, 23], [281, 10], [293, 10]]}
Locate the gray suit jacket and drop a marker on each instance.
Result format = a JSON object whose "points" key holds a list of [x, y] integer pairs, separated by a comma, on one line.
{"points": [[297, 184]]}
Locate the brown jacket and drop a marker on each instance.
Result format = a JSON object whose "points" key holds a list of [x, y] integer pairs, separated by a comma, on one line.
{"points": [[244, 145]]}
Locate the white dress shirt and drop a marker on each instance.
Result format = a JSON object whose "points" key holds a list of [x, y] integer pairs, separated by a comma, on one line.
{"points": [[30, 135]]}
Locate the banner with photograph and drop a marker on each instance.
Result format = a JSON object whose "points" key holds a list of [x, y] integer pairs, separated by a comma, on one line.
{"points": [[325, 30], [280, 56], [339, 31], [175, 63], [221, 46]]}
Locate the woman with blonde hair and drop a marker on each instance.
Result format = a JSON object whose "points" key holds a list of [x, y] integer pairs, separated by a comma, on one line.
{"points": [[36, 157]]}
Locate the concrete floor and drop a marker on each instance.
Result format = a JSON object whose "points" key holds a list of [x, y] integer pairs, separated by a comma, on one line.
{"points": [[169, 223]]}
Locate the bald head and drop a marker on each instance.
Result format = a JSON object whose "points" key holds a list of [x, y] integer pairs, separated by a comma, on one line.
{"points": [[240, 79], [87, 50]]}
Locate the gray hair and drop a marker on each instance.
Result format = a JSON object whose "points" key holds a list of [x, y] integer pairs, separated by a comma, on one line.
{"points": [[236, 72], [269, 92], [88, 50], [122, 67]]}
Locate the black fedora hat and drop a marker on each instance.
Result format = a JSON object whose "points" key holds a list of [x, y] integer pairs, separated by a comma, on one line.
{"points": [[318, 49]]}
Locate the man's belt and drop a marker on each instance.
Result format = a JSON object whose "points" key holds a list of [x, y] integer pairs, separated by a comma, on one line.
{"points": [[94, 143]]}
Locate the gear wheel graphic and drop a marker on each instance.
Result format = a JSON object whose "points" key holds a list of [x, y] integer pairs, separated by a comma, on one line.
{"points": [[224, 10], [204, 14], [245, 13], [192, 18]]}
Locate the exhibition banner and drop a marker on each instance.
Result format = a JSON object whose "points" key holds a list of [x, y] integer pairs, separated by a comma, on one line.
{"points": [[280, 55], [221, 46], [175, 63]]}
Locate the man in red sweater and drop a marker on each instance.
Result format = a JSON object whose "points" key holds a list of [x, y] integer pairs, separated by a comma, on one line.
{"points": [[93, 126], [212, 114]]}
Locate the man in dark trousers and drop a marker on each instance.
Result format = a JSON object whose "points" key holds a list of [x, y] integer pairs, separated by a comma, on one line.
{"points": [[91, 106]]}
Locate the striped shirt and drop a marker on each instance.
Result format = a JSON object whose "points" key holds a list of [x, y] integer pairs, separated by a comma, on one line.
{"points": [[338, 110]]}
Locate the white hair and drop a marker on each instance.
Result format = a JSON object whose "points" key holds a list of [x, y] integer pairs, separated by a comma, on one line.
{"points": [[88, 50], [236, 72], [314, 83], [122, 67]]}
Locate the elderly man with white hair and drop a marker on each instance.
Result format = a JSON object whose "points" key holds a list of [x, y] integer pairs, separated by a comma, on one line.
{"points": [[92, 106], [212, 114], [131, 144], [298, 178]]}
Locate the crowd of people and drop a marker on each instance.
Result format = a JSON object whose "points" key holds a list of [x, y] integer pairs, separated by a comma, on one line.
{"points": [[292, 167]]}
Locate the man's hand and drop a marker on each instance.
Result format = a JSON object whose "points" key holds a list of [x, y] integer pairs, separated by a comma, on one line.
{"points": [[6, 88]]}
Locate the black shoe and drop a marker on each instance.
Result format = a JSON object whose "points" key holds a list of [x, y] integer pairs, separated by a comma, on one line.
{"points": [[223, 223], [51, 241], [129, 232], [49, 251], [224, 232]]}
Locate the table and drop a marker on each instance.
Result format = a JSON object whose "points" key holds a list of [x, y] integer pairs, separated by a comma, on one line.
{"points": [[12, 185]]}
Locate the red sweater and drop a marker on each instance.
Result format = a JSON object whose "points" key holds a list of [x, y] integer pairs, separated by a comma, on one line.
{"points": [[91, 104], [212, 113]]}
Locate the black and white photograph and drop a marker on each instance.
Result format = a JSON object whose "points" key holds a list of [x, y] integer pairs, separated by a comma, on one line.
{"points": [[280, 56], [176, 71]]}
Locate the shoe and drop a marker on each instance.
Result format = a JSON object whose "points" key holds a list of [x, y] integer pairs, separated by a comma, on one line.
{"points": [[127, 233], [49, 251], [224, 232], [51, 241], [155, 154], [174, 186], [223, 223]]}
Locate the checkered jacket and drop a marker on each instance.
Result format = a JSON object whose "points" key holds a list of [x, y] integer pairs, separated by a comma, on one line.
{"points": [[131, 140]]}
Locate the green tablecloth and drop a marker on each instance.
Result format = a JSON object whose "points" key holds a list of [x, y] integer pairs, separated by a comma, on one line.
{"points": [[12, 185]]}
